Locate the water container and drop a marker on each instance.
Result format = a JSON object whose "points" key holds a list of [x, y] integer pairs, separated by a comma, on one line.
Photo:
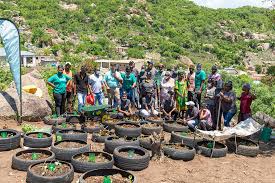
{"points": [[266, 134]]}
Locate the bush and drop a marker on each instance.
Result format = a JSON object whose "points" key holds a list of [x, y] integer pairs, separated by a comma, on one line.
{"points": [[258, 69], [271, 70]]}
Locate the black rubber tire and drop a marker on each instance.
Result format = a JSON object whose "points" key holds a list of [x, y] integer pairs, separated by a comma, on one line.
{"points": [[177, 154], [92, 130], [22, 165], [10, 143], [79, 135], [80, 166], [127, 163], [150, 130], [73, 118], [37, 142], [112, 142], [56, 128], [156, 121], [217, 153], [245, 150], [34, 178], [98, 138], [67, 154], [145, 142], [127, 132], [110, 125], [186, 140], [169, 127], [106, 172], [49, 121]]}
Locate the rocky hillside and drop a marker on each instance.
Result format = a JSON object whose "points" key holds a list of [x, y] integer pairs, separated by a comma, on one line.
{"points": [[76, 29]]}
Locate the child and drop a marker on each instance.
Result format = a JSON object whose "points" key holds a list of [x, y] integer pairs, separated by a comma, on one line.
{"points": [[169, 107]]}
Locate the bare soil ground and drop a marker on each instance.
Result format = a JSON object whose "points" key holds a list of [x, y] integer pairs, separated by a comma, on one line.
{"points": [[230, 169]]}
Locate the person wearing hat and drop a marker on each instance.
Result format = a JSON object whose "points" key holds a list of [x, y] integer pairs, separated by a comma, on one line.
{"points": [[246, 99], [147, 104], [192, 115], [181, 92], [69, 89], [112, 80], [169, 109], [215, 76], [228, 103], [167, 84], [205, 121], [191, 83], [151, 68], [59, 83], [147, 84], [199, 82], [97, 84], [129, 83], [124, 108]]}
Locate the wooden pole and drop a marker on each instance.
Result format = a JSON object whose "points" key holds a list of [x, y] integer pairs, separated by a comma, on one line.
{"points": [[219, 114]]}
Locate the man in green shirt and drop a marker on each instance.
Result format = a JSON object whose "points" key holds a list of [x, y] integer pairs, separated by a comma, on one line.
{"points": [[129, 83], [199, 83], [59, 83]]}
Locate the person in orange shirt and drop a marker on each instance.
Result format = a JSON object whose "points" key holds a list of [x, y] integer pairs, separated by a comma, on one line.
{"points": [[69, 89]]}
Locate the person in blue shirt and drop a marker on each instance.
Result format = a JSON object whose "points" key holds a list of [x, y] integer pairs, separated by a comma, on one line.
{"points": [[200, 78], [59, 83]]}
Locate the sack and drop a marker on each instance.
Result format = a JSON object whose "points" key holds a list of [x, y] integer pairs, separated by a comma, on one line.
{"points": [[90, 99]]}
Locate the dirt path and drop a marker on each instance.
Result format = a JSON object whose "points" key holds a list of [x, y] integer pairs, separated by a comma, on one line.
{"points": [[230, 169]]}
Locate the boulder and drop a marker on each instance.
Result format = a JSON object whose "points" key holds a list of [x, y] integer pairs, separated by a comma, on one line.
{"points": [[185, 60], [263, 118]]}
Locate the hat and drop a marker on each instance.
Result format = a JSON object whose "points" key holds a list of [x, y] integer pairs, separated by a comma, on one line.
{"points": [[190, 103], [229, 84], [198, 66], [68, 63], [128, 69], [150, 62], [192, 66], [124, 93], [247, 86], [149, 90], [214, 67], [131, 62], [167, 73]]}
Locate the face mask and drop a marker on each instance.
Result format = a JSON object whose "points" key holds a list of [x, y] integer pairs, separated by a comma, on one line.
{"points": [[124, 99]]}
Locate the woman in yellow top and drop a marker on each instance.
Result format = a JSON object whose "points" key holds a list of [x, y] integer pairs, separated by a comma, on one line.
{"points": [[181, 91]]}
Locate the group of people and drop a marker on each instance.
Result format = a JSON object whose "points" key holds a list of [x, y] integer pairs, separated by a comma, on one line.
{"points": [[201, 101]]}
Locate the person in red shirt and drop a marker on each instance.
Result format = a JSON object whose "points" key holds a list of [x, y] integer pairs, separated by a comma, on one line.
{"points": [[246, 99]]}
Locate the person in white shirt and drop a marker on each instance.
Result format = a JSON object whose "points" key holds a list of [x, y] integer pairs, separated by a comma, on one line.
{"points": [[97, 85]]}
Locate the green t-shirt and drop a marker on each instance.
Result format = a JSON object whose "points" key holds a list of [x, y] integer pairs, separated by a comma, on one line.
{"points": [[128, 81], [198, 79], [60, 83]]}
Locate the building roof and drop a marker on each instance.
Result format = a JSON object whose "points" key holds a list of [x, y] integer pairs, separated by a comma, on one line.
{"points": [[23, 53], [120, 61]]}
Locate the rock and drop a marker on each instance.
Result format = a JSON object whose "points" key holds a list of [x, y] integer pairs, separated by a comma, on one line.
{"points": [[265, 46], [230, 36], [263, 118], [185, 60]]}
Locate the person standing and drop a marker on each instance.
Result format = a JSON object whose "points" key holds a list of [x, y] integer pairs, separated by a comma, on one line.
{"points": [[59, 82], [215, 76], [210, 96], [69, 89], [129, 84], [191, 83], [148, 84], [181, 92], [167, 84], [151, 69], [246, 99], [112, 81], [97, 85], [135, 71], [81, 87], [199, 82], [228, 103]]}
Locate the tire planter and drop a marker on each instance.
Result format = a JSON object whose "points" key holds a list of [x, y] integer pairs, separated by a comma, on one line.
{"points": [[57, 127], [33, 177], [66, 154], [131, 163], [84, 166], [112, 142], [159, 121], [188, 140], [127, 132], [187, 153], [72, 117], [35, 142], [110, 124], [11, 142], [94, 129], [97, 137], [170, 126], [217, 152], [49, 120], [23, 164], [245, 147], [145, 142], [149, 130], [73, 135], [107, 172]]}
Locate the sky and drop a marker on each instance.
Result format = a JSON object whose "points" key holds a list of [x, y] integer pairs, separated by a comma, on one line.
{"points": [[232, 3]]}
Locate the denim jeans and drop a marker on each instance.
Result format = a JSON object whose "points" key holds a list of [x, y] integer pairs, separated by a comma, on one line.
{"points": [[227, 116], [192, 124], [99, 98], [81, 97]]}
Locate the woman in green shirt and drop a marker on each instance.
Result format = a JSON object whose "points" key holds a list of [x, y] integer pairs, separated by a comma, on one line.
{"points": [[59, 82], [181, 92]]}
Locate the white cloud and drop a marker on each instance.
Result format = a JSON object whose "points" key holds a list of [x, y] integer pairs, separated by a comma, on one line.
{"points": [[232, 3]]}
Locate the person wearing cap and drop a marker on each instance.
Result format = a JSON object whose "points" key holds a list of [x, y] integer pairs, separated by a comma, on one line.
{"points": [[124, 108], [112, 81], [215, 76], [228, 103], [246, 99], [148, 84], [97, 84], [129, 83], [167, 84], [191, 115], [191, 83], [169, 109], [151, 68], [181, 92], [69, 89], [199, 82], [205, 121], [59, 83], [81, 87], [147, 104]]}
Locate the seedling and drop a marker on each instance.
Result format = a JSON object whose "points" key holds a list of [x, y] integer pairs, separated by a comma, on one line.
{"points": [[107, 179], [51, 167], [34, 156], [64, 125], [131, 153], [58, 138], [40, 135], [4, 134], [92, 157]]}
